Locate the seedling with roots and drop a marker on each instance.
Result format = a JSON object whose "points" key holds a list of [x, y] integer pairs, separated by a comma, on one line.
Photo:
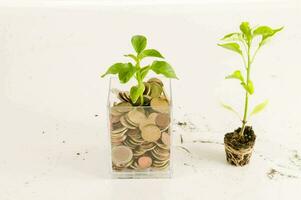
{"points": [[244, 43]]}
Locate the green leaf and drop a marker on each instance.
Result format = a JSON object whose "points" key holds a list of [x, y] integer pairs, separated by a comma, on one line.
{"points": [[139, 43], [246, 30], [260, 107], [144, 71], [248, 87], [228, 107], [232, 36], [266, 32], [162, 67], [136, 92], [114, 69], [232, 46], [132, 56], [126, 72], [150, 53], [236, 75]]}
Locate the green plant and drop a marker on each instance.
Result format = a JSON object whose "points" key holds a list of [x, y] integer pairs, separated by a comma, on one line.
{"points": [[243, 43], [126, 71]]}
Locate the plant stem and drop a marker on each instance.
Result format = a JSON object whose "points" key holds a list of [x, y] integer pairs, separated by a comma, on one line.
{"points": [[138, 77], [244, 121]]}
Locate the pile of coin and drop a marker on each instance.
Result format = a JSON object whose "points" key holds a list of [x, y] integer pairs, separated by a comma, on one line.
{"points": [[140, 135]]}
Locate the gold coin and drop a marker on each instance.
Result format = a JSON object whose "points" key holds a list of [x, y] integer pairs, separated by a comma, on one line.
{"points": [[132, 132], [165, 138], [123, 107], [155, 80], [156, 90], [121, 155], [147, 89], [162, 146], [115, 112], [124, 96], [145, 123], [138, 151], [160, 166], [118, 130], [150, 133], [114, 119], [160, 105], [152, 117], [148, 146], [163, 120], [145, 162], [126, 124], [136, 116]]}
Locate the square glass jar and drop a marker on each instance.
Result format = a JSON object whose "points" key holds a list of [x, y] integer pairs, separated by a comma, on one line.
{"points": [[140, 136]]}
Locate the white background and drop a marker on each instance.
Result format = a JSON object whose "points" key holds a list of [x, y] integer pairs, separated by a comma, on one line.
{"points": [[51, 56]]}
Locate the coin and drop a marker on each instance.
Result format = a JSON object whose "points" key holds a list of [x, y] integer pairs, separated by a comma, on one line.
{"points": [[162, 146], [124, 96], [148, 146], [115, 112], [119, 130], [147, 89], [163, 120], [132, 132], [136, 116], [160, 105], [121, 155], [125, 123], [155, 80], [160, 165], [114, 119], [152, 117], [165, 138], [156, 90], [123, 107], [150, 133], [144, 162], [145, 123], [138, 151]]}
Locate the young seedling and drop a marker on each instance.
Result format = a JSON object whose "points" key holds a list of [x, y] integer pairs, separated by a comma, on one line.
{"points": [[127, 71], [247, 43]]}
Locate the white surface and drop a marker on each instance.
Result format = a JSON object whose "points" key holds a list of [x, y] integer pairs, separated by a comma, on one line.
{"points": [[50, 92]]}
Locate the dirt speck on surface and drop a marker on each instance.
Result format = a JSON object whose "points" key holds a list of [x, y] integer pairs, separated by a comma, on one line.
{"points": [[184, 148], [63, 141], [187, 125], [43, 132], [77, 154], [207, 142], [272, 173], [182, 123], [96, 115], [181, 138]]}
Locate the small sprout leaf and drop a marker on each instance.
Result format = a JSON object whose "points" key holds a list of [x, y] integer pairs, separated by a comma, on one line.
{"points": [[136, 92], [246, 30], [126, 72], [132, 56], [231, 36], [150, 53], [236, 75], [162, 67], [266, 32], [232, 46], [248, 87], [114, 69], [139, 43], [144, 71], [260, 107], [230, 108]]}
